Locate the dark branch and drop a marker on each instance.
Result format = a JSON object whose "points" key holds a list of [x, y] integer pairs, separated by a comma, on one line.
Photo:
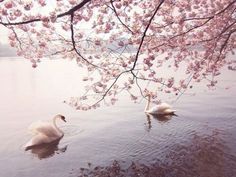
{"points": [[113, 83], [69, 12], [20, 43], [74, 43], [144, 34], [114, 9], [72, 10], [137, 54], [224, 45]]}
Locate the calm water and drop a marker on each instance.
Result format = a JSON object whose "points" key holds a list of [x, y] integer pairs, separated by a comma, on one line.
{"points": [[118, 140]]}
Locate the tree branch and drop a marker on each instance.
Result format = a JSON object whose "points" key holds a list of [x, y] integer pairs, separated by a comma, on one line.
{"points": [[144, 34], [69, 12], [74, 43], [114, 9], [137, 54], [106, 92]]}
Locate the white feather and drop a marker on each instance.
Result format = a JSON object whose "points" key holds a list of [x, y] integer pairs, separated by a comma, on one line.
{"points": [[46, 128]]}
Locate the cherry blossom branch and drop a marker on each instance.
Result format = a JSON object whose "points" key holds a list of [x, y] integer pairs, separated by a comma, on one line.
{"points": [[69, 12], [59, 52], [139, 87], [190, 34], [200, 18], [224, 9], [114, 9], [193, 28], [197, 18], [113, 83], [218, 13], [137, 54], [144, 34], [72, 10], [16, 36], [228, 27], [74, 43], [225, 44], [181, 93]]}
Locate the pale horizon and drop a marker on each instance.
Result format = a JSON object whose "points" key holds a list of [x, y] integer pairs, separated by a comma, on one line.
{"points": [[4, 35]]}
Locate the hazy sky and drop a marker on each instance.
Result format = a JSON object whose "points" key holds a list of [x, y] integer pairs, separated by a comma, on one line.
{"points": [[5, 48], [3, 35]]}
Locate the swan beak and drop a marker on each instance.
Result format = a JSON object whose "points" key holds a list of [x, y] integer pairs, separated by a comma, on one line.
{"points": [[63, 118]]}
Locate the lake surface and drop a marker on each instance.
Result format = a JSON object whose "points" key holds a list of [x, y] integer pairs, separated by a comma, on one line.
{"points": [[119, 140]]}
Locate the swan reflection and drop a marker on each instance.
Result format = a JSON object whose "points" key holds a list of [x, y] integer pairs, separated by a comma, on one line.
{"points": [[163, 118], [47, 150], [159, 118]]}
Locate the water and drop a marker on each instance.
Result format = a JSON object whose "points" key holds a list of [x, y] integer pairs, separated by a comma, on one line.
{"points": [[115, 141]]}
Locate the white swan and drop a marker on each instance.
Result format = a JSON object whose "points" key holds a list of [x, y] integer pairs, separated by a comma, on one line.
{"points": [[160, 109], [45, 132]]}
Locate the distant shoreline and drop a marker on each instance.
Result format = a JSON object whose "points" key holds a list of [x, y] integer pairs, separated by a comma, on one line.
{"points": [[10, 57]]}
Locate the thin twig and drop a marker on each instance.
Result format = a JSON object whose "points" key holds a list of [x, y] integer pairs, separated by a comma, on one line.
{"points": [[114, 9]]}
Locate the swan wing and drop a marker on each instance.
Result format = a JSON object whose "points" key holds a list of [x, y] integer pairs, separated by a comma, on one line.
{"points": [[44, 128], [162, 108], [39, 139], [152, 110], [169, 111]]}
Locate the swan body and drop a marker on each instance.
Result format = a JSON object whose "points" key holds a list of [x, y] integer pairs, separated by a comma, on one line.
{"points": [[45, 132], [160, 109]]}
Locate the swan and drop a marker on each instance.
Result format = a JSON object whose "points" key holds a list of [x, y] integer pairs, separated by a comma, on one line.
{"points": [[45, 132], [160, 109]]}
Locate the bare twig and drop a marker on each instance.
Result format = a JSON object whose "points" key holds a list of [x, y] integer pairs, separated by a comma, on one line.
{"points": [[144, 34], [74, 43], [137, 54], [114, 9], [69, 12]]}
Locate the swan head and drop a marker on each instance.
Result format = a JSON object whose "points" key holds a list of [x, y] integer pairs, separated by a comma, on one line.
{"points": [[61, 117]]}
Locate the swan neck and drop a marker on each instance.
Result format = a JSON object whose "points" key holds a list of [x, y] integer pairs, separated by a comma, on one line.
{"points": [[55, 125]]}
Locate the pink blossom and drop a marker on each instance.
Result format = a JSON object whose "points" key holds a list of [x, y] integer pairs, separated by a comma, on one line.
{"points": [[108, 28], [97, 42], [53, 17], [65, 27], [45, 19], [118, 5], [85, 79], [28, 6], [34, 65], [12, 36], [19, 53], [113, 100], [42, 44], [72, 2], [17, 13], [133, 97], [9, 4], [131, 81], [42, 2], [4, 12], [12, 43], [25, 28], [121, 43], [124, 65], [170, 82]]}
